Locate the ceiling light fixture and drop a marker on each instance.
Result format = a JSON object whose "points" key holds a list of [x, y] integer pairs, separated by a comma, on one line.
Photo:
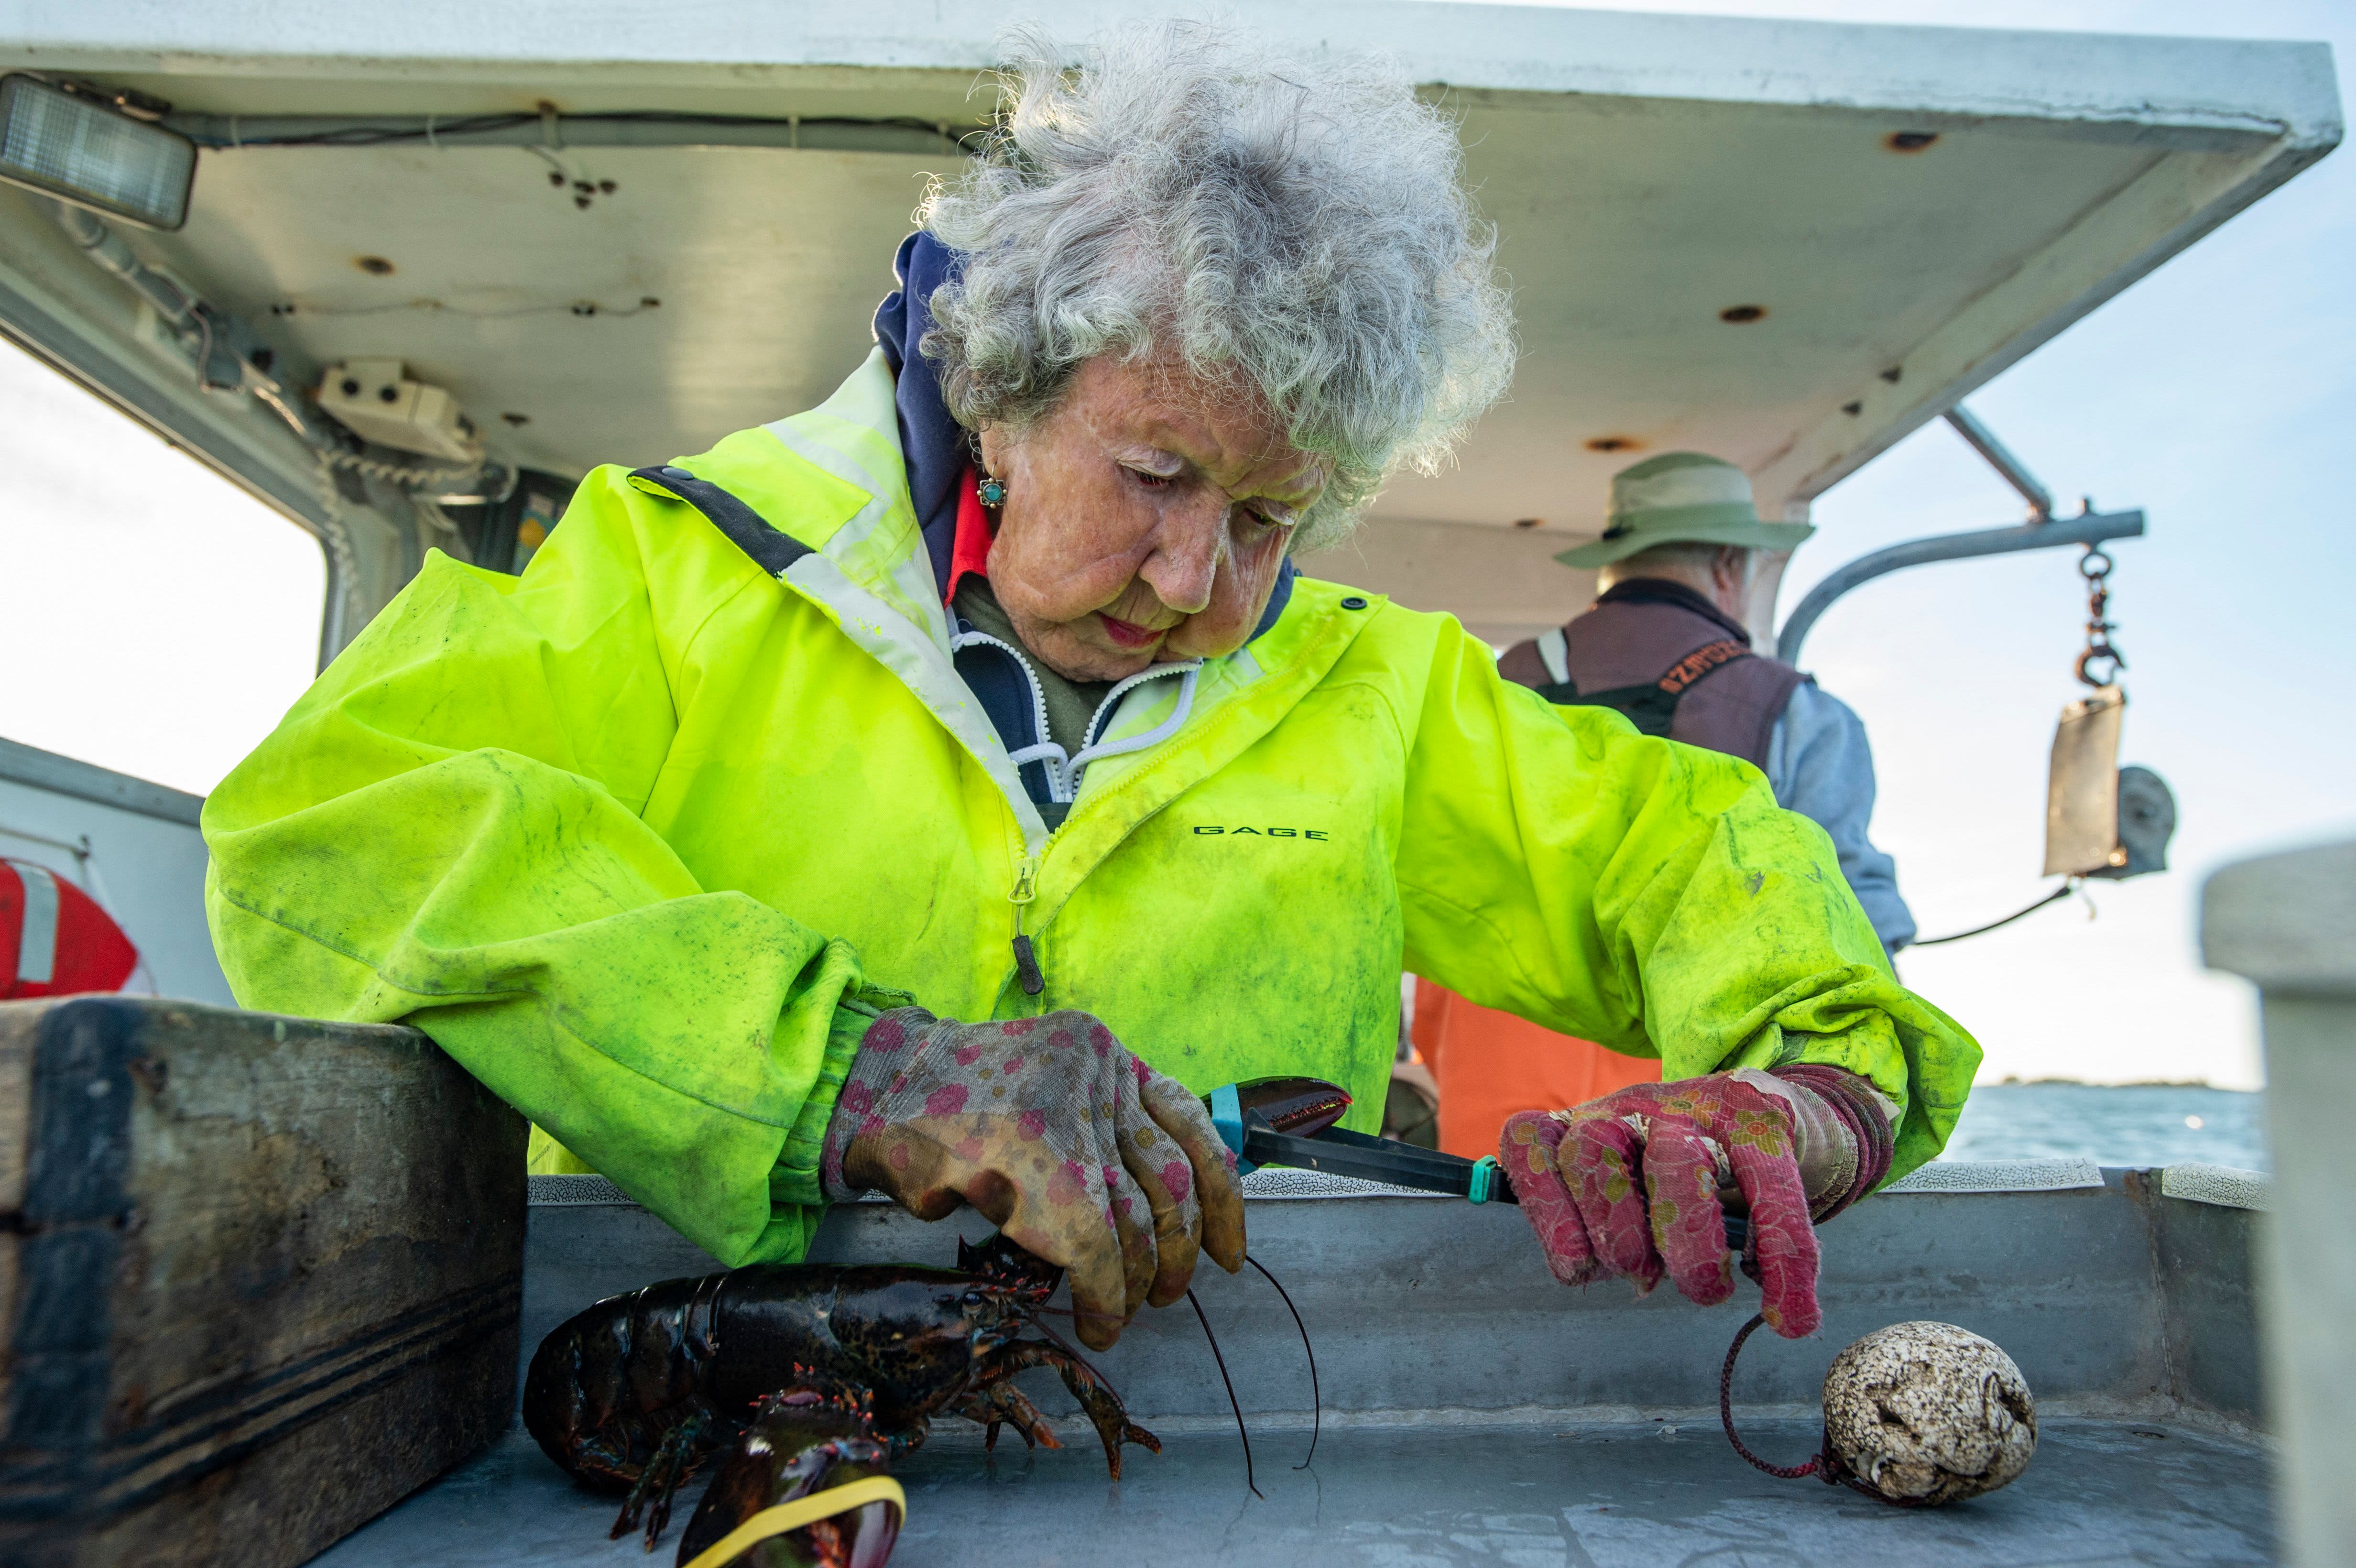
{"points": [[79, 150]]}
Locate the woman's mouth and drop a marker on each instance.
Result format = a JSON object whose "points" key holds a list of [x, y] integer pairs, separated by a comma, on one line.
{"points": [[1128, 634]]}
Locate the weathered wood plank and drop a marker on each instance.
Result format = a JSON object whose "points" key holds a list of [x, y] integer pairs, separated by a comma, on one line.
{"points": [[15, 1095], [261, 1280]]}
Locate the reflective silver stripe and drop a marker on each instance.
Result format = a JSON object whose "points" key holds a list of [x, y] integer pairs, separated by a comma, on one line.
{"points": [[36, 944], [1554, 652]]}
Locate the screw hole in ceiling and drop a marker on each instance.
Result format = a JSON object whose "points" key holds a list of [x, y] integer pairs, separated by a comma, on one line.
{"points": [[374, 266], [1740, 315]]}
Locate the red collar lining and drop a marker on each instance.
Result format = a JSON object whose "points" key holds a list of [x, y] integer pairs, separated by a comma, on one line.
{"points": [[970, 550]]}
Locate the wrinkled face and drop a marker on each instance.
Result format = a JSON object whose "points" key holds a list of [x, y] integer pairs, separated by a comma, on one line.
{"points": [[1145, 520]]}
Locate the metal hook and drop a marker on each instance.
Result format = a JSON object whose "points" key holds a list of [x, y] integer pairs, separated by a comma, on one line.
{"points": [[2101, 650], [2094, 566]]}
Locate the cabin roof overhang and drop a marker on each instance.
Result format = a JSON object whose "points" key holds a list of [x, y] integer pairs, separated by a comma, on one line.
{"points": [[1648, 174]]}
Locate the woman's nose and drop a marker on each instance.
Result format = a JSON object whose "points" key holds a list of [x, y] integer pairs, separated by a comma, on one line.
{"points": [[1184, 565]]}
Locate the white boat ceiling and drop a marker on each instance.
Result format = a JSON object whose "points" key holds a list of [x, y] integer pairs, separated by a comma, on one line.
{"points": [[1647, 174]]}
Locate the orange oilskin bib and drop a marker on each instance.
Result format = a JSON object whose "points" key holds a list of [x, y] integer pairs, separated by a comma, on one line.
{"points": [[1490, 1064]]}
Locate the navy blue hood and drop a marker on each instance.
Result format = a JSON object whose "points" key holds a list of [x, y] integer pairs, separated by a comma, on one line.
{"points": [[934, 446]]}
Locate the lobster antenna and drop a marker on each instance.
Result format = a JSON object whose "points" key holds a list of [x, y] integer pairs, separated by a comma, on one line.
{"points": [[1244, 1430], [1316, 1404]]}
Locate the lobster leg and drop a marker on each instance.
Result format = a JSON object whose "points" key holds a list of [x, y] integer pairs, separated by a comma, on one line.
{"points": [[1085, 1384], [1001, 1403], [675, 1460], [906, 1440]]}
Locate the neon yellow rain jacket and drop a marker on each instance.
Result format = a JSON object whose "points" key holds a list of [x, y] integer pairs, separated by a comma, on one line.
{"points": [[644, 837]]}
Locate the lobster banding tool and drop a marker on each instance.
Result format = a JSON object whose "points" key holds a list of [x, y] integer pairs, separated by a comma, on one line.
{"points": [[1293, 1122]]}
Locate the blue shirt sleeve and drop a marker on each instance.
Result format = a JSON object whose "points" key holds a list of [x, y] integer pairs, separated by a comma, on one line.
{"points": [[1820, 765]]}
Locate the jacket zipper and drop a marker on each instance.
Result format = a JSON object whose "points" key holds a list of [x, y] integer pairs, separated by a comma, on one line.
{"points": [[1026, 959], [1046, 752], [1063, 778]]}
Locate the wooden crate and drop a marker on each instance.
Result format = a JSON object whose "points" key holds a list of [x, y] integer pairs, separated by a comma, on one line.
{"points": [[259, 1279]]}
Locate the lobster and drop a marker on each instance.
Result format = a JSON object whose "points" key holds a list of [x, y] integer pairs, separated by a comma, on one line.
{"points": [[808, 1370], [819, 1376]]}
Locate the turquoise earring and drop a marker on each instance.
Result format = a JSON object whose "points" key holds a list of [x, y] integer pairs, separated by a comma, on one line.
{"points": [[992, 491]]}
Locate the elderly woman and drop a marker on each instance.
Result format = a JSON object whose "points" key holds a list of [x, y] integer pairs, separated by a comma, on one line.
{"points": [[934, 791]]}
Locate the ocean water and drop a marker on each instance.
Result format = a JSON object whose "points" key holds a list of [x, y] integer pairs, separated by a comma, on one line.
{"points": [[2133, 1125]]}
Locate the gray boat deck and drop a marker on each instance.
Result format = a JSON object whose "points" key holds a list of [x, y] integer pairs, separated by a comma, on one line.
{"points": [[1609, 1496], [1477, 1414]]}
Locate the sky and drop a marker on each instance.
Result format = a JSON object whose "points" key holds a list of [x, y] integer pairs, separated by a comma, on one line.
{"points": [[156, 602]]}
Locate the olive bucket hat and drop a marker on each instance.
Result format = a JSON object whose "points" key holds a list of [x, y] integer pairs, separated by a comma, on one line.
{"points": [[1682, 498]]}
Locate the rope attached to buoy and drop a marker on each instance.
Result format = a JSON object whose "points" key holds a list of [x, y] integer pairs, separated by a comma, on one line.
{"points": [[1826, 1466]]}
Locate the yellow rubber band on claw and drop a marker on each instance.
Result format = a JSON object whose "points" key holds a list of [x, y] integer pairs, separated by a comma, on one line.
{"points": [[778, 1520]]}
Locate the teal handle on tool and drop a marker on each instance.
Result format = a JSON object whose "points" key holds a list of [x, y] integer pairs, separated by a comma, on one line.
{"points": [[1227, 1116]]}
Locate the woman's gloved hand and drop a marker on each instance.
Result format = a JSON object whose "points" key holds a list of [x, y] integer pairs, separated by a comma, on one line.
{"points": [[1079, 1152], [1629, 1184]]}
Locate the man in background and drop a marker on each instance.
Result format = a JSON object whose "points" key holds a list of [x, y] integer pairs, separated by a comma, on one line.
{"points": [[1665, 643]]}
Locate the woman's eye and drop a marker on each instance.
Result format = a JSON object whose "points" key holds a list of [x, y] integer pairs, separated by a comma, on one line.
{"points": [[1151, 480]]}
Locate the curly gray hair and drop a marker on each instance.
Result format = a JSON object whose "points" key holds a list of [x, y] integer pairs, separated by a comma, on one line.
{"points": [[1300, 222]]}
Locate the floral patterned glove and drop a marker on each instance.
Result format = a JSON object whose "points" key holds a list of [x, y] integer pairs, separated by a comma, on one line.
{"points": [[1629, 1184], [1079, 1152]]}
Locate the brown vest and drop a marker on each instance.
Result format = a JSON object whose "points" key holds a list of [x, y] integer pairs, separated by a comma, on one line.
{"points": [[1666, 657]]}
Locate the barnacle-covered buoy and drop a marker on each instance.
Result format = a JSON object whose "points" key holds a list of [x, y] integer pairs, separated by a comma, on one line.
{"points": [[1927, 1413]]}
